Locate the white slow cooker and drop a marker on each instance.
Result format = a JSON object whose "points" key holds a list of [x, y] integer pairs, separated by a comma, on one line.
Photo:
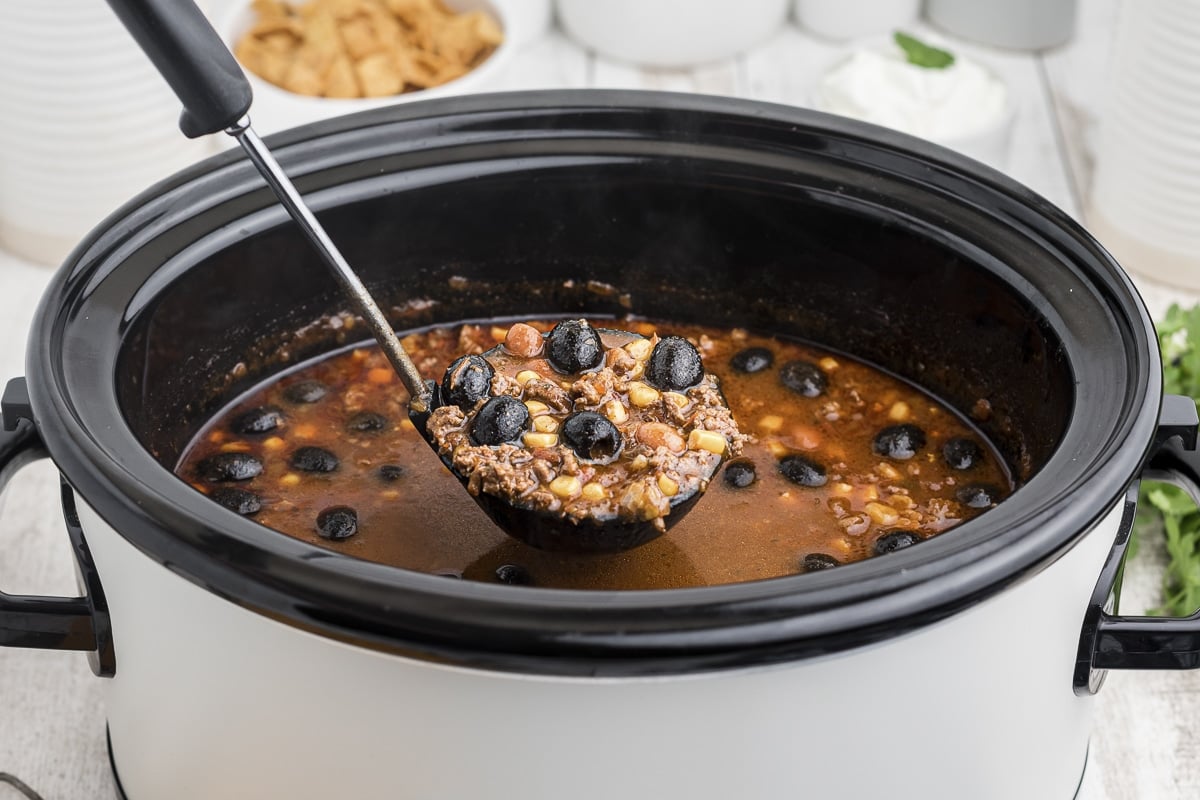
{"points": [[243, 663]]}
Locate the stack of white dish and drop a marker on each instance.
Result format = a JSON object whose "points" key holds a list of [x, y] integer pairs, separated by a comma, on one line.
{"points": [[88, 124], [1145, 199]]}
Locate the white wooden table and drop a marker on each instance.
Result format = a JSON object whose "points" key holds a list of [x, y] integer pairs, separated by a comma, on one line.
{"points": [[1144, 746]]}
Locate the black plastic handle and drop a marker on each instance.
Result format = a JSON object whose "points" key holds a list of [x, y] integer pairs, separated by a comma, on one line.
{"points": [[52, 623], [191, 56], [1113, 641]]}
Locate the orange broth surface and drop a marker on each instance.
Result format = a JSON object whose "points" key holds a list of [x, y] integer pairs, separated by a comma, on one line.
{"points": [[419, 516]]}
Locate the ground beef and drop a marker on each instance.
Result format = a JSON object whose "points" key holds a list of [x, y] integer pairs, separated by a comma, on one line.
{"points": [[542, 472]]}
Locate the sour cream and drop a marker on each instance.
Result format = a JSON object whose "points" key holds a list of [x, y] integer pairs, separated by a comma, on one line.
{"points": [[882, 87]]}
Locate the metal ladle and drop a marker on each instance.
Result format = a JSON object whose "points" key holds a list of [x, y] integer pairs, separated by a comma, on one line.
{"points": [[216, 98]]}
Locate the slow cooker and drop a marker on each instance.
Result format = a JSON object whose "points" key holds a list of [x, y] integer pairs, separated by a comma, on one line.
{"points": [[239, 662]]}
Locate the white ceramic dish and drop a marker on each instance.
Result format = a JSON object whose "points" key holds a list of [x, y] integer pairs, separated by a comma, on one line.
{"points": [[671, 33], [276, 109]]}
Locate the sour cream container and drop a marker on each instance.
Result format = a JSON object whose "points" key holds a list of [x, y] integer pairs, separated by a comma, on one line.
{"points": [[964, 106]]}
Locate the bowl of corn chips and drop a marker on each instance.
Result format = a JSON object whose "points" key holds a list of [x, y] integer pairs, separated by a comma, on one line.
{"points": [[309, 60]]}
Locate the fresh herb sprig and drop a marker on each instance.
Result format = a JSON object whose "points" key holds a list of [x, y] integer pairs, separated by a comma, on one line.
{"points": [[921, 54], [1168, 506]]}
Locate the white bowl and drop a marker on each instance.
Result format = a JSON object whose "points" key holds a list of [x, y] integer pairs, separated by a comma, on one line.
{"points": [[988, 142], [275, 109], [671, 33]]}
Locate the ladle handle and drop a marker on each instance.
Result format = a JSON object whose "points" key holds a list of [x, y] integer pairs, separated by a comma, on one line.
{"points": [[191, 56]]}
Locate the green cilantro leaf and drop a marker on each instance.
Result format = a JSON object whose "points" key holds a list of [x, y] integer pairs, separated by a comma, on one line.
{"points": [[921, 54], [1167, 508]]}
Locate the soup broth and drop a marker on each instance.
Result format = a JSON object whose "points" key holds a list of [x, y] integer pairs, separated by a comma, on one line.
{"points": [[843, 462]]}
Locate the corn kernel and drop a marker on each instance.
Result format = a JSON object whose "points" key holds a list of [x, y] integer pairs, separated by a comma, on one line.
{"points": [[407, 424], [871, 492], [667, 486], [273, 444], [828, 364], [236, 447], [777, 449], [899, 411], [498, 333], [536, 407], [711, 441], [216, 437], [527, 375], [881, 514], [886, 470], [545, 424], [901, 502], [642, 395], [565, 486], [538, 439], [594, 491], [639, 463], [389, 494], [615, 411], [771, 423], [291, 479], [639, 348], [843, 488], [361, 354]]}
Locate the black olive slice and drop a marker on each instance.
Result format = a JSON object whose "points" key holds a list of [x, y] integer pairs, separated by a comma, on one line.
{"points": [[230, 467], [592, 436], [814, 562], [803, 378], [467, 381], [391, 472], [961, 454], [239, 500], [258, 420], [314, 459], [674, 365], [900, 442], [501, 419], [337, 523], [892, 541], [366, 422], [513, 575], [740, 474], [574, 346], [801, 470], [978, 495]]}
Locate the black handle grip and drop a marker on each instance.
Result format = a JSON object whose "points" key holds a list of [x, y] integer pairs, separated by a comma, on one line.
{"points": [[54, 623], [1113, 641], [191, 56]]}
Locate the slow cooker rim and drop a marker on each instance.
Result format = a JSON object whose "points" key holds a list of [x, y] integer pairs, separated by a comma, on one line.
{"points": [[731, 625]]}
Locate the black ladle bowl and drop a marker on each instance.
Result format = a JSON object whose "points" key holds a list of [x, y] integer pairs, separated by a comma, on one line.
{"points": [[555, 531], [216, 97]]}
